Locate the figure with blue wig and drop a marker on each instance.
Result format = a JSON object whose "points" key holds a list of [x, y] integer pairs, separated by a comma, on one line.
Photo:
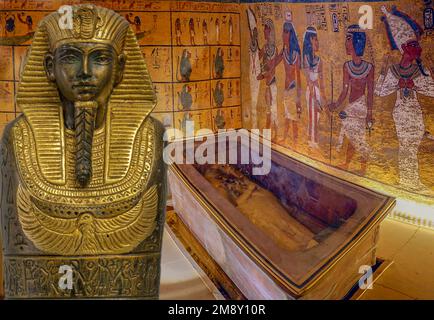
{"points": [[313, 69], [406, 79], [291, 57], [269, 59], [255, 67], [358, 85]]}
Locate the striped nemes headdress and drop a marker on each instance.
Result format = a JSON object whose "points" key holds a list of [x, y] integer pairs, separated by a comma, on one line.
{"points": [[89, 24], [130, 103]]}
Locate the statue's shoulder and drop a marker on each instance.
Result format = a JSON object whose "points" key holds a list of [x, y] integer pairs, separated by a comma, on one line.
{"points": [[7, 153], [9, 129], [158, 129], [160, 168]]}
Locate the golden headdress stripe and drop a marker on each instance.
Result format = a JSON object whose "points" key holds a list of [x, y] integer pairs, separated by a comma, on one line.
{"points": [[39, 100], [131, 101], [113, 27]]}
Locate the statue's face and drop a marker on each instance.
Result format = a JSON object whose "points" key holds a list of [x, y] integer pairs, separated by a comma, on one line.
{"points": [[85, 71]]}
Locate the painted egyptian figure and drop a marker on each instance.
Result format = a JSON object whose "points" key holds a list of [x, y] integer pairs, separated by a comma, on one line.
{"points": [[270, 58], [205, 32], [290, 55], [217, 30], [231, 31], [406, 79], [83, 180], [178, 32], [255, 66], [192, 32], [315, 93], [358, 82]]}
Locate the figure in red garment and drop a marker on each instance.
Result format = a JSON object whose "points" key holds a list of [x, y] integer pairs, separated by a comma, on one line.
{"points": [[270, 59], [315, 93], [291, 57], [358, 80]]}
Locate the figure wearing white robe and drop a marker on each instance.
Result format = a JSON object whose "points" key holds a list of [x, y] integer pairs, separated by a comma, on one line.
{"points": [[313, 100], [255, 70], [255, 67], [354, 122], [408, 118]]}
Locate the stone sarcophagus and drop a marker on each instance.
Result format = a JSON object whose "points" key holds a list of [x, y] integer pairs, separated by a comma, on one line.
{"points": [[294, 233]]}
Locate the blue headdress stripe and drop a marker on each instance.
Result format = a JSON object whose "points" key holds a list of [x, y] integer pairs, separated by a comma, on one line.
{"points": [[359, 39], [307, 47], [294, 39]]}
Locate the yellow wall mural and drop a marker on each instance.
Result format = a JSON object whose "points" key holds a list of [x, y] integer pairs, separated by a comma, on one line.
{"points": [[194, 38], [353, 99]]}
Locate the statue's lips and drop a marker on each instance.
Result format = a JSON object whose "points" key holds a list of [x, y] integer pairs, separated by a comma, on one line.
{"points": [[84, 88]]}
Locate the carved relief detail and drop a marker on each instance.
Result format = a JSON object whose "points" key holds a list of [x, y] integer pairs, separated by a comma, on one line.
{"points": [[104, 277]]}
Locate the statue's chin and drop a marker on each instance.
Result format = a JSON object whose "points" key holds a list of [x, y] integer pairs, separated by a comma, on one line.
{"points": [[86, 96]]}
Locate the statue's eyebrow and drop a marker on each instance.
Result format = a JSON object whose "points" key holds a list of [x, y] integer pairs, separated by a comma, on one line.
{"points": [[64, 49], [67, 49], [104, 49]]}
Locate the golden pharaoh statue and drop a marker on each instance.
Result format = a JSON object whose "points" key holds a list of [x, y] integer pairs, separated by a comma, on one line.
{"points": [[83, 178]]}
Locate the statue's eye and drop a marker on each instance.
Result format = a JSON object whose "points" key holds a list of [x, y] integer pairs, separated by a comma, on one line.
{"points": [[102, 59], [70, 58]]}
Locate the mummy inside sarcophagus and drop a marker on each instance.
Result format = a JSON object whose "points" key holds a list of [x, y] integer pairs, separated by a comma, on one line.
{"points": [[295, 232]]}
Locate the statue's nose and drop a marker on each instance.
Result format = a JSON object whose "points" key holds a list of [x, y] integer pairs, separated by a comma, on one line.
{"points": [[85, 69]]}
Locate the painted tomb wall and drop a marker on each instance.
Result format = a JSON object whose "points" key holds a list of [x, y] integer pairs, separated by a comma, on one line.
{"points": [[380, 133]]}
